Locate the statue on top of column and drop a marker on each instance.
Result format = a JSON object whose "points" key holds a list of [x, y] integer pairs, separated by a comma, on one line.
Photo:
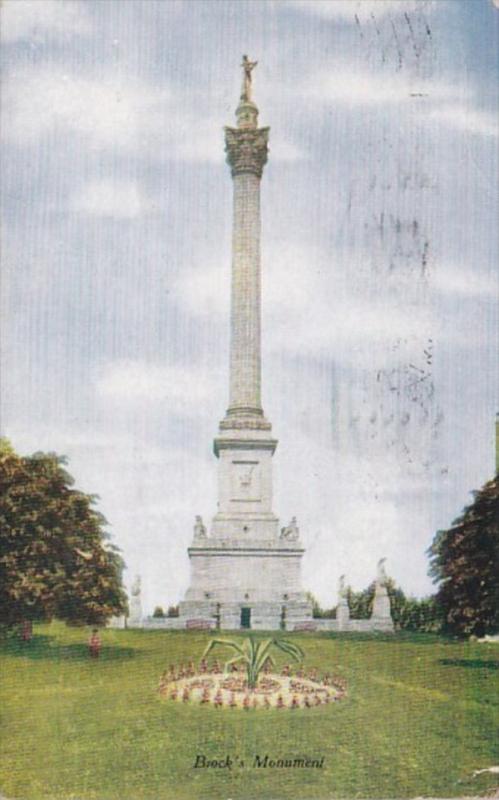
{"points": [[248, 66]]}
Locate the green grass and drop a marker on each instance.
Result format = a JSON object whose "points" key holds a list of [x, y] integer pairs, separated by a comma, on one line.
{"points": [[421, 714]]}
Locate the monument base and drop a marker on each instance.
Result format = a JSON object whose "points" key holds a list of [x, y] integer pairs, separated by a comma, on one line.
{"points": [[381, 614], [245, 614]]}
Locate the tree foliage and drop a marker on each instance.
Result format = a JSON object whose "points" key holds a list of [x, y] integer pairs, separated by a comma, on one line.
{"points": [[317, 611], [55, 557], [420, 615], [464, 561]]}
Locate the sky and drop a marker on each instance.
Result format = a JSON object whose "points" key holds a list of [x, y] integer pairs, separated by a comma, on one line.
{"points": [[379, 254]]}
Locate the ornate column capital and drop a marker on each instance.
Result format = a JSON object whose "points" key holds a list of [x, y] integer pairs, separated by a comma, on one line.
{"points": [[246, 150]]}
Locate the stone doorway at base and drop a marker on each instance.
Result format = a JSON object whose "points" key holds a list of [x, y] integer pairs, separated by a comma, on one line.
{"points": [[245, 617]]}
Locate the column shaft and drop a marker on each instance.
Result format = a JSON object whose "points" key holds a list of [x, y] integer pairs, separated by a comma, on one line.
{"points": [[245, 358]]}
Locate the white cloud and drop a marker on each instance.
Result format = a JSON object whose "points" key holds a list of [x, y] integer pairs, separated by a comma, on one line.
{"points": [[328, 315], [354, 87], [440, 101], [204, 292], [469, 120], [181, 389], [453, 279], [113, 111], [36, 19], [346, 10], [107, 111], [284, 150], [324, 314], [106, 198], [444, 101]]}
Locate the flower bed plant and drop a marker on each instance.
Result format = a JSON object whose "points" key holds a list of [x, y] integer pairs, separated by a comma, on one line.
{"points": [[247, 682]]}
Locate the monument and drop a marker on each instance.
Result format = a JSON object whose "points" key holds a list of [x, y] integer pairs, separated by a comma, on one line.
{"points": [[246, 572]]}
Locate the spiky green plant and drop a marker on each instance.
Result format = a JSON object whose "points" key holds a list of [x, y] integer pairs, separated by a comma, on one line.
{"points": [[255, 654]]}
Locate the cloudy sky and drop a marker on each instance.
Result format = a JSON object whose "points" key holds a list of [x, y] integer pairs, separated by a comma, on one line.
{"points": [[379, 247]]}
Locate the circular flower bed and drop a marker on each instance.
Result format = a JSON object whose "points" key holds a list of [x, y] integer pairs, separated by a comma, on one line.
{"points": [[211, 687]]}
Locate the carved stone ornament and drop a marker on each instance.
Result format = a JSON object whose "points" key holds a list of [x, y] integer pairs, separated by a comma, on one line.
{"points": [[290, 532], [246, 149], [199, 528]]}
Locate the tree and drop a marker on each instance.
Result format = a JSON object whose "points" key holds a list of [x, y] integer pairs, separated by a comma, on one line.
{"points": [[464, 560], [158, 612], [317, 611], [360, 604], [420, 615], [55, 557]]}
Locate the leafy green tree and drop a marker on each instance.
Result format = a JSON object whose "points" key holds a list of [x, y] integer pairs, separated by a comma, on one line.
{"points": [[360, 604], [158, 612], [464, 561], [420, 615], [317, 611], [55, 557]]}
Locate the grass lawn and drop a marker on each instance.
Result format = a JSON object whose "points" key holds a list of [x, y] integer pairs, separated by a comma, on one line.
{"points": [[421, 714]]}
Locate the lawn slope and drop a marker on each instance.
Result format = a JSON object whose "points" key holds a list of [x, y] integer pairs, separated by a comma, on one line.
{"points": [[421, 714]]}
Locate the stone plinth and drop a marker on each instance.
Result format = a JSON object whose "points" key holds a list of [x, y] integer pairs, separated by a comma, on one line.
{"points": [[381, 603], [135, 610], [381, 616], [342, 615]]}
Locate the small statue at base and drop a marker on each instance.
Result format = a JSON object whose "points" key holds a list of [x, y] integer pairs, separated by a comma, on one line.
{"points": [[199, 528], [291, 531], [381, 576]]}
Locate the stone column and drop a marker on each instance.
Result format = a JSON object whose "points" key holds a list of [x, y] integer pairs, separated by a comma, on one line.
{"points": [[246, 148]]}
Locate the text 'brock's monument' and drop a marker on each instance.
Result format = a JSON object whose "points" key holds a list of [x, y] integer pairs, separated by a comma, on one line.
{"points": [[246, 572]]}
